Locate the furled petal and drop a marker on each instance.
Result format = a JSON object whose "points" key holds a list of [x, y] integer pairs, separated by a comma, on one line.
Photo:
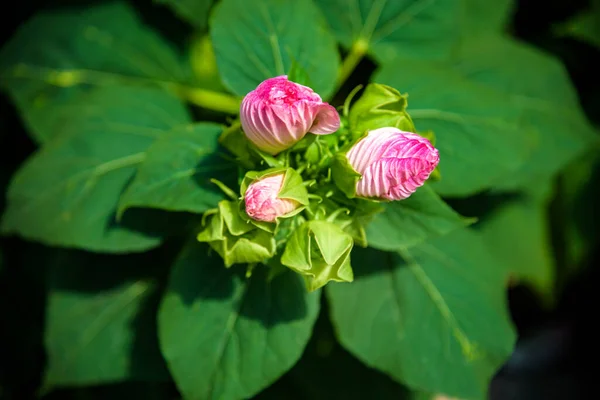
{"points": [[262, 203], [326, 121], [393, 163], [394, 178], [279, 113]]}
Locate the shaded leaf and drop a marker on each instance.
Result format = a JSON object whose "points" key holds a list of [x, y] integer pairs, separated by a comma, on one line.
{"points": [[176, 172], [228, 337], [477, 132], [584, 26], [56, 56], [518, 235], [66, 194], [483, 16], [539, 85], [268, 39], [437, 316], [194, 12], [388, 28], [100, 319], [412, 221]]}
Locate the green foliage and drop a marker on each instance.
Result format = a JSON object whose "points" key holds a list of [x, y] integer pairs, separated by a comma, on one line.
{"points": [[385, 29], [55, 59], [228, 337], [422, 216], [436, 314], [124, 166], [194, 12], [478, 135], [584, 26], [518, 235], [176, 172], [100, 327], [67, 193], [483, 16], [539, 87], [267, 39]]}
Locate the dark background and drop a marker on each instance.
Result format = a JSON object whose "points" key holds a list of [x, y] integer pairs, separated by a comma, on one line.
{"points": [[554, 356]]}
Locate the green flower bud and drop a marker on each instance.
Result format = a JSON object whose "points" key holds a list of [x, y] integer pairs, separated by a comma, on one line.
{"points": [[235, 239], [380, 106], [320, 252]]}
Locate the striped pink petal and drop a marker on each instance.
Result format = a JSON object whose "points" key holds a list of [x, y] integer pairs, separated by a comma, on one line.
{"points": [[279, 113]]}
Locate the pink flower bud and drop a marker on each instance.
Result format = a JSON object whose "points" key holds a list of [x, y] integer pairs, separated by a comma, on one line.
{"points": [[262, 203], [278, 113], [393, 163]]}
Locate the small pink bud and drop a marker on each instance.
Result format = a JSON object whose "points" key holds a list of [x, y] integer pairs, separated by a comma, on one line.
{"points": [[278, 113], [393, 163], [262, 203]]}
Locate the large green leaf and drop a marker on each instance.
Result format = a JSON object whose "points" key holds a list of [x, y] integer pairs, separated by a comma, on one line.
{"points": [[193, 11], [482, 16], [477, 132], [66, 194], [101, 319], [269, 36], [55, 56], [419, 28], [518, 234], [436, 317], [409, 222], [177, 169], [539, 85], [225, 336]]}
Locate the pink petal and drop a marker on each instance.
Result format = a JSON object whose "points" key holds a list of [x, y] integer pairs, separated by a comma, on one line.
{"points": [[261, 201], [326, 120], [394, 178]]}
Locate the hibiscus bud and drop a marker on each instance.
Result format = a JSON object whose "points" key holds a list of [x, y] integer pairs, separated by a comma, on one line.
{"points": [[393, 163], [278, 113], [263, 202]]}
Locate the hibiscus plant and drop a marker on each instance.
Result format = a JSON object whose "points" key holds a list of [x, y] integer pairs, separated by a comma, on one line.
{"points": [[194, 205]]}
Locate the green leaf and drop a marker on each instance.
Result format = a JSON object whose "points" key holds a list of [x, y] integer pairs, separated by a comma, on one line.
{"points": [[177, 169], [419, 28], [539, 85], [518, 235], [477, 133], [578, 191], [267, 39], [100, 319], [584, 26], [483, 16], [227, 337], [66, 194], [412, 221], [194, 12], [437, 316], [56, 56]]}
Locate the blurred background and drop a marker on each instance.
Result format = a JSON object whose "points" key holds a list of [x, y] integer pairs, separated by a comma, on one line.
{"points": [[554, 356]]}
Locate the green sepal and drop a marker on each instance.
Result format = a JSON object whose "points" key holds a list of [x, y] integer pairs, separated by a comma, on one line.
{"points": [[293, 187], [320, 252], [234, 140], [236, 240], [380, 106], [344, 176]]}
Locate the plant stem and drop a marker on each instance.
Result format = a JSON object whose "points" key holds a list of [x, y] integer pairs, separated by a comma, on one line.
{"points": [[212, 100], [357, 52]]}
